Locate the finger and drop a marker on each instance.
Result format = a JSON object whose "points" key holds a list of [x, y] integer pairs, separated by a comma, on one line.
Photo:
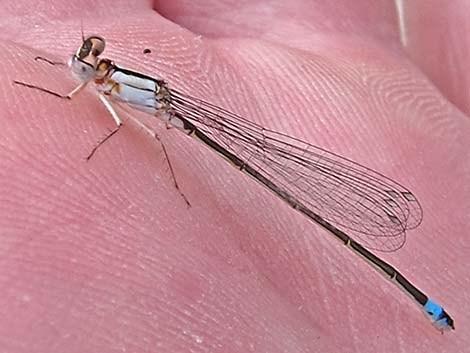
{"points": [[301, 24], [437, 37]]}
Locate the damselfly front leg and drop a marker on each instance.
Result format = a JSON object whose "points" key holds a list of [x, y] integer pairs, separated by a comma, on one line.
{"points": [[69, 95]]}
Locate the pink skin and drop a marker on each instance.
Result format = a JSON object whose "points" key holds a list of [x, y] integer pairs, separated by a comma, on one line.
{"points": [[103, 256]]}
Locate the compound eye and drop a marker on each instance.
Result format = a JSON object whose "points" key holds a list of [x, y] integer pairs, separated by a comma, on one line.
{"points": [[98, 45], [92, 45]]}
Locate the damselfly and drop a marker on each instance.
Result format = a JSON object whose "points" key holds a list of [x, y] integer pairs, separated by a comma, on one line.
{"points": [[330, 190]]}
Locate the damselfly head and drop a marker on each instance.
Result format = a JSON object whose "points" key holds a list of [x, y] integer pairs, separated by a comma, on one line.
{"points": [[85, 61]]}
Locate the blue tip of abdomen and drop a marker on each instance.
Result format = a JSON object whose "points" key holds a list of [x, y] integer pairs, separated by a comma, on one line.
{"points": [[438, 316]]}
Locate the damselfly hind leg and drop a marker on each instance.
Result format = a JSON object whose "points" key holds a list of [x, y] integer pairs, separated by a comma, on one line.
{"points": [[175, 182], [106, 138], [167, 158], [147, 129]]}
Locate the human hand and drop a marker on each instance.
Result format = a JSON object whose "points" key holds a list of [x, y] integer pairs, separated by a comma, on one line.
{"points": [[104, 256]]}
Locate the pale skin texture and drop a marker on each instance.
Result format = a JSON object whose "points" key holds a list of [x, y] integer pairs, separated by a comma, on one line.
{"points": [[104, 256]]}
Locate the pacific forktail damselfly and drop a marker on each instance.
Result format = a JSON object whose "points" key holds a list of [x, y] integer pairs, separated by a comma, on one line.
{"points": [[330, 190]]}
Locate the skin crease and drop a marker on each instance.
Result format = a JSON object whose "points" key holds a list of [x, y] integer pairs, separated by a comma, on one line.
{"points": [[104, 256]]}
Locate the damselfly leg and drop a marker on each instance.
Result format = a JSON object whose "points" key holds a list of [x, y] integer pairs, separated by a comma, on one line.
{"points": [[109, 107]]}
